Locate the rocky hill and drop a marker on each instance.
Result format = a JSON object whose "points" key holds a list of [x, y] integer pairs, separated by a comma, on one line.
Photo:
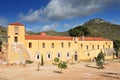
{"points": [[97, 26], [102, 28]]}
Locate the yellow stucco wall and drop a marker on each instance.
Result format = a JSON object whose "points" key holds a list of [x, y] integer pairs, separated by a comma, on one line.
{"points": [[13, 56], [37, 48], [15, 49]]}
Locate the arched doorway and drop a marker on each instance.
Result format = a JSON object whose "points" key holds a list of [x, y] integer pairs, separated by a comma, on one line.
{"points": [[75, 57]]}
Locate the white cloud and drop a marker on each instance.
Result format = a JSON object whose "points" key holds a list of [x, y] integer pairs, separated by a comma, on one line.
{"points": [[50, 27], [44, 28], [34, 29], [3, 21], [31, 16], [65, 9], [66, 25]]}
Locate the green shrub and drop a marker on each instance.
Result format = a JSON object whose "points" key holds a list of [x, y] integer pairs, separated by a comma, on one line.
{"points": [[28, 62], [62, 65], [56, 60]]}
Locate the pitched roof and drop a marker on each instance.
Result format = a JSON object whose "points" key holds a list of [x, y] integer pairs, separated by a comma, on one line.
{"points": [[44, 37], [16, 23], [93, 39]]}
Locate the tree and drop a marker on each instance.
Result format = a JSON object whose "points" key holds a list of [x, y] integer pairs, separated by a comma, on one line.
{"points": [[116, 45], [0, 45], [42, 61], [28, 62], [62, 65], [100, 60], [56, 60], [79, 31]]}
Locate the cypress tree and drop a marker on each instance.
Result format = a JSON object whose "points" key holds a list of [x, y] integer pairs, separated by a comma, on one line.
{"points": [[42, 61]]}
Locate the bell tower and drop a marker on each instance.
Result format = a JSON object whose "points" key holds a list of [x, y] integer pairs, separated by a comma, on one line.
{"points": [[16, 35], [16, 32]]}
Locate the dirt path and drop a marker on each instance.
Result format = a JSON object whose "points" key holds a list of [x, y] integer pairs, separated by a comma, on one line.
{"points": [[79, 71]]}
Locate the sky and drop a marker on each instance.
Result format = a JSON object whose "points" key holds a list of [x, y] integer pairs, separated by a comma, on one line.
{"points": [[58, 15]]}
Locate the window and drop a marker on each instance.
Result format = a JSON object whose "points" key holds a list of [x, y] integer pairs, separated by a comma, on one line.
{"points": [[68, 54], [92, 46], [52, 45], [38, 57], [103, 46], [58, 55], [48, 56], [76, 52], [81, 45], [16, 30], [43, 45], [15, 39], [69, 44], [98, 47], [62, 45], [88, 54], [86, 46], [30, 45]]}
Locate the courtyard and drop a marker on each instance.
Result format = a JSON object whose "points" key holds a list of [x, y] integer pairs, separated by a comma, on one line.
{"points": [[77, 71]]}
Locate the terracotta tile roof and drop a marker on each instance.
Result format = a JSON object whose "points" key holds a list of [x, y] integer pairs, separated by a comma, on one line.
{"points": [[43, 37], [93, 39], [16, 23]]}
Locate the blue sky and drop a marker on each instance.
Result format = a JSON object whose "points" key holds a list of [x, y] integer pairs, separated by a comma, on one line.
{"points": [[59, 15]]}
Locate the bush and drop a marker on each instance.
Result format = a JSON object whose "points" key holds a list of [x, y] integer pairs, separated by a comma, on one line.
{"points": [[28, 62], [62, 65], [56, 60]]}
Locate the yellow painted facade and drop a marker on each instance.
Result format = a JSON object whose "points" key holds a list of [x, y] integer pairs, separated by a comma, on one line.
{"points": [[74, 49]]}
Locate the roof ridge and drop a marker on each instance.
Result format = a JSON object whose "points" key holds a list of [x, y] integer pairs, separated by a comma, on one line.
{"points": [[16, 23]]}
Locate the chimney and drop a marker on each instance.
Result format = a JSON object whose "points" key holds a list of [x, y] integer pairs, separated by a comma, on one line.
{"points": [[83, 38], [75, 39], [43, 34]]}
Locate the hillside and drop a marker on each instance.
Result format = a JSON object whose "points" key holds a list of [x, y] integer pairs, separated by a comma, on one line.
{"points": [[3, 33], [102, 28], [98, 28], [52, 33]]}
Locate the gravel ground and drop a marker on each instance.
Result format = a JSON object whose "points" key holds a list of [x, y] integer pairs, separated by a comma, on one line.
{"points": [[78, 71]]}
